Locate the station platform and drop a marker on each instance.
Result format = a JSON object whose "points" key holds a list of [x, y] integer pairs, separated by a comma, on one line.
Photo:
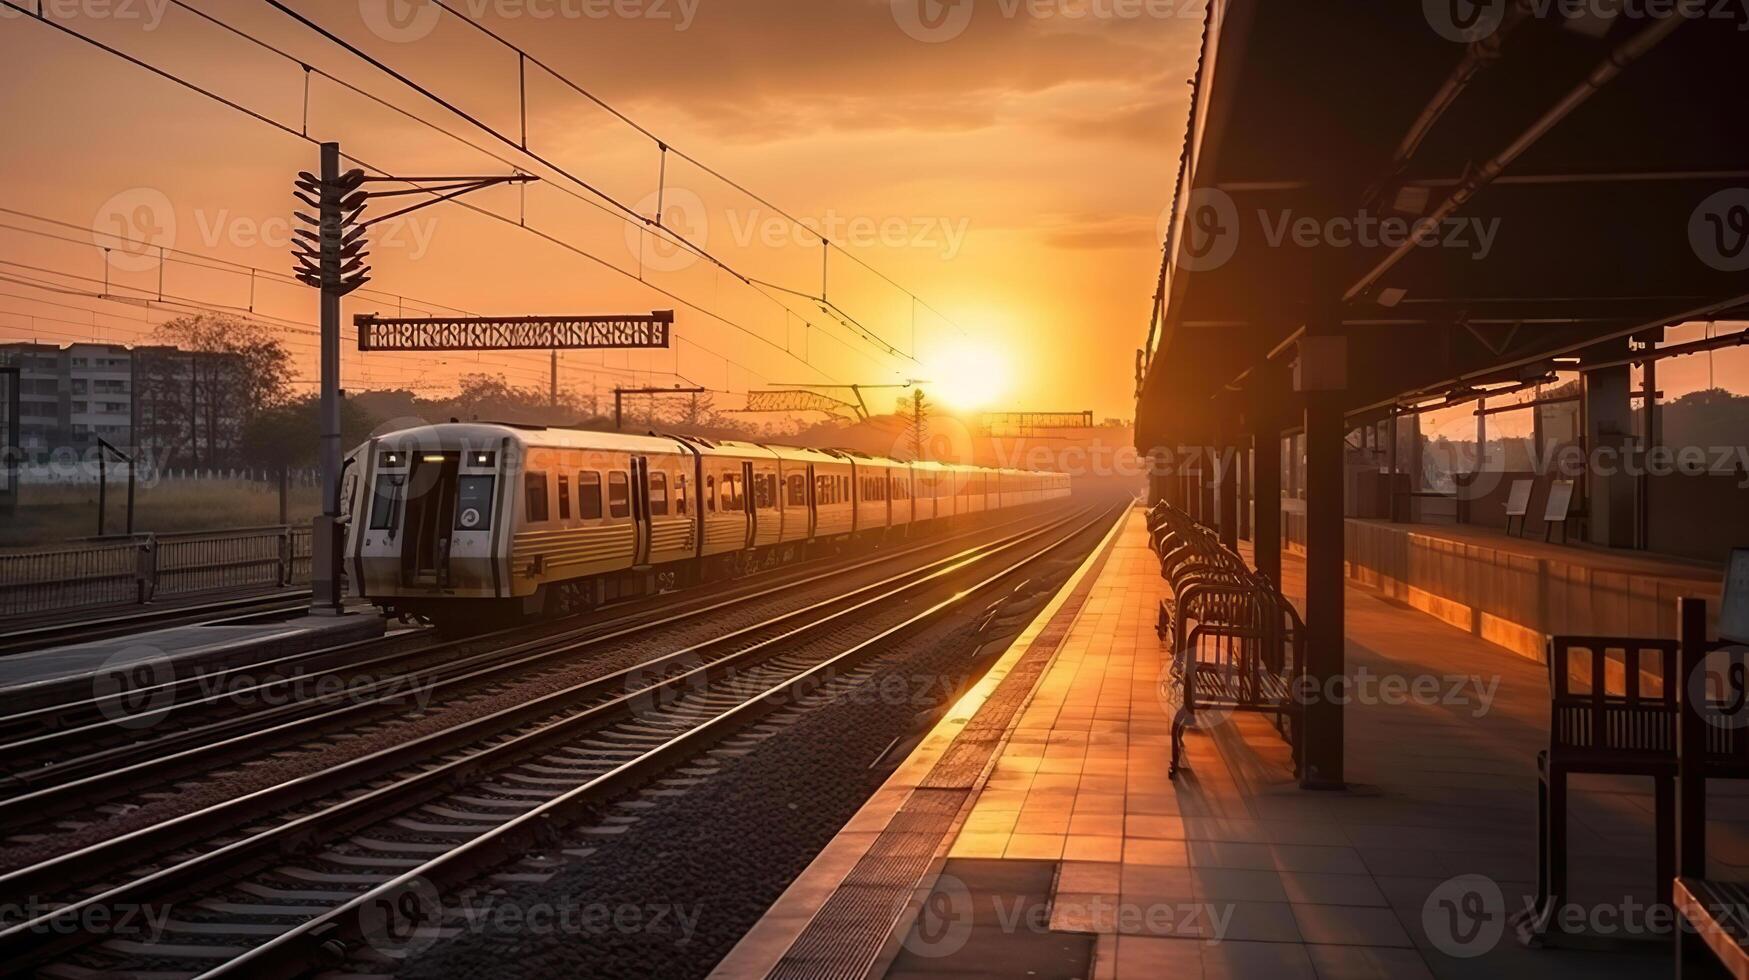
{"points": [[1034, 833], [26, 677]]}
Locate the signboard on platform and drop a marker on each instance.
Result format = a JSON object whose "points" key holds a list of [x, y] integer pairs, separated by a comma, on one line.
{"points": [[1560, 501], [1734, 607]]}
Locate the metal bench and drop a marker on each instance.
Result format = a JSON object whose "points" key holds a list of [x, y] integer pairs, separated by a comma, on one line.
{"points": [[1237, 642], [1712, 742], [1612, 711]]}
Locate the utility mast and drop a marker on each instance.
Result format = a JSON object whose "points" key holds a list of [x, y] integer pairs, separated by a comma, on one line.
{"points": [[919, 431]]}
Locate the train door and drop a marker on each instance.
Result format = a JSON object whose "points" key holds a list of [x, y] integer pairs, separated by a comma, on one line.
{"points": [[813, 505], [748, 497], [429, 517], [640, 511]]}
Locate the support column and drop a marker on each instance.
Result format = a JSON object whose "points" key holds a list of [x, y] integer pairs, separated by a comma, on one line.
{"points": [[1266, 489], [1205, 487], [1227, 491], [1322, 376], [1243, 481], [1610, 503]]}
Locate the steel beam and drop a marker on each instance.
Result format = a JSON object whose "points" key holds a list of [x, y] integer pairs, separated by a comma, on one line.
{"points": [[515, 333]]}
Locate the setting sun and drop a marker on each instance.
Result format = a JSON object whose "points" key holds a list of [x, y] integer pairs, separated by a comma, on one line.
{"points": [[969, 376]]}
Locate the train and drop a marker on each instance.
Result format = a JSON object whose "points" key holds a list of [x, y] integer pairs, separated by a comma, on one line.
{"points": [[469, 525]]}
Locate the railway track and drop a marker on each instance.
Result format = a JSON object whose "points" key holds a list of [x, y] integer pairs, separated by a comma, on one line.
{"points": [[372, 836], [73, 755]]}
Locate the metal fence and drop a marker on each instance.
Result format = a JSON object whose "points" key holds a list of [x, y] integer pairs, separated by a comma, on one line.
{"points": [[145, 567]]}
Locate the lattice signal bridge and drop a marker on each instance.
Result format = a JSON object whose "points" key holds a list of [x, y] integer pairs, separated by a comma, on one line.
{"points": [[514, 333]]}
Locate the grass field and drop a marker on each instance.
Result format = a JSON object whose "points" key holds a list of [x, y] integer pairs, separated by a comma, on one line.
{"points": [[52, 514]]}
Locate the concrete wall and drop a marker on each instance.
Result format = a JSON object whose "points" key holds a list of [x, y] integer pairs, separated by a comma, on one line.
{"points": [[1517, 598]]}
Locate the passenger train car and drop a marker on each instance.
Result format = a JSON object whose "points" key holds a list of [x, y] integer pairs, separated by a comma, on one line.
{"points": [[524, 521]]}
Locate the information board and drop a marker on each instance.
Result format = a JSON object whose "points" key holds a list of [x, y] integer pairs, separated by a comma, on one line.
{"points": [[1518, 499], [1560, 501]]}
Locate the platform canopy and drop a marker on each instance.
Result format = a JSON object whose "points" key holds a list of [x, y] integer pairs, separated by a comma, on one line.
{"points": [[1584, 179]]}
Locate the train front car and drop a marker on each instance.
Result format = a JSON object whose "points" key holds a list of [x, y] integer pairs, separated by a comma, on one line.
{"points": [[472, 525], [428, 511]]}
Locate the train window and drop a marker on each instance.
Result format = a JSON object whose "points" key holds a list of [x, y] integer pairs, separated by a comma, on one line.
{"points": [[534, 493], [589, 495], [764, 491], [733, 499], [798, 490], [385, 507], [844, 484], [564, 497], [658, 495], [473, 504], [619, 494], [680, 493], [710, 494]]}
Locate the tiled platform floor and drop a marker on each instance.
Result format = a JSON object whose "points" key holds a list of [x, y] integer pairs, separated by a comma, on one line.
{"points": [[1233, 871]]}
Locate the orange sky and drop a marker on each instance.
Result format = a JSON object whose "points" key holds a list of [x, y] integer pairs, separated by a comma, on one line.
{"points": [[1011, 172]]}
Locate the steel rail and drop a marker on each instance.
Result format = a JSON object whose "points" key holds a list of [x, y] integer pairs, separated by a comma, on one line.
{"points": [[294, 951], [49, 930], [57, 786]]}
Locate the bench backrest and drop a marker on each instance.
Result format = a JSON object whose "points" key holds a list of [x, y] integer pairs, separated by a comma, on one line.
{"points": [[1613, 695]]}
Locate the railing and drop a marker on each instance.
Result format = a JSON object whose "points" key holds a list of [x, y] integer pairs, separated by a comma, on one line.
{"points": [[144, 567]]}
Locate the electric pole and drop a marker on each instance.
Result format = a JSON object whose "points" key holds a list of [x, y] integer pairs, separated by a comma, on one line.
{"points": [[331, 259], [918, 410]]}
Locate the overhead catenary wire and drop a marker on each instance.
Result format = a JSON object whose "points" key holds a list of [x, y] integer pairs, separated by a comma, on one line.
{"points": [[170, 76], [667, 146]]}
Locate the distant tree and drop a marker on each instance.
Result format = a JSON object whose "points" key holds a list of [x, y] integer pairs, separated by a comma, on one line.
{"points": [[243, 369], [1708, 418], [697, 412], [287, 436]]}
